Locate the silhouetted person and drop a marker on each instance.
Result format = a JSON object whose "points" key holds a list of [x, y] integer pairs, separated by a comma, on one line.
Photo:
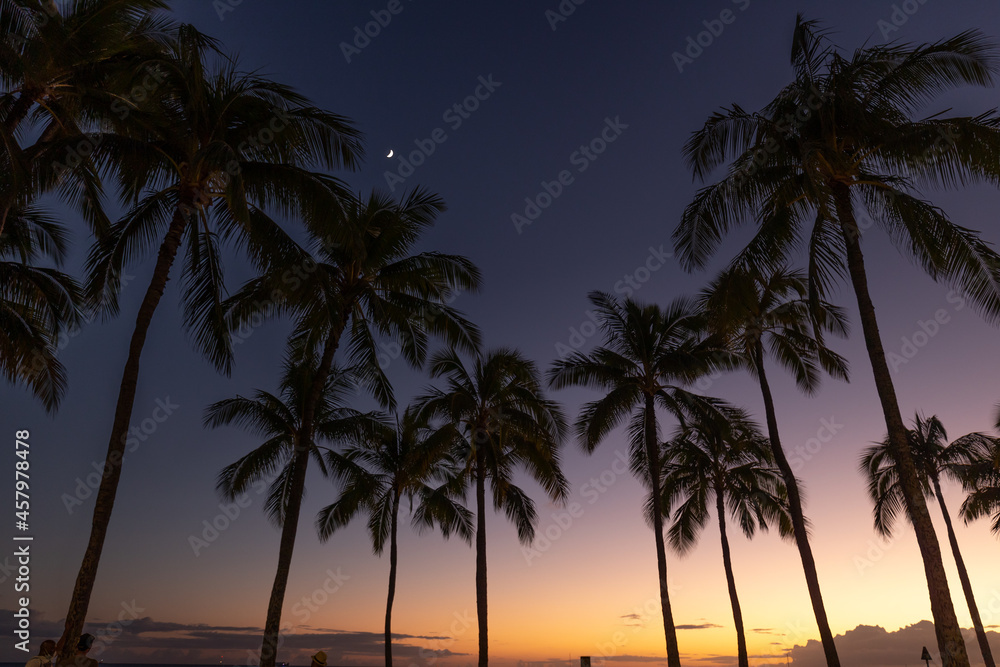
{"points": [[81, 659], [45, 653]]}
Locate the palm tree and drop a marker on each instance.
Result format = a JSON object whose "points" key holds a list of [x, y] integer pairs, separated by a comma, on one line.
{"points": [[770, 315], [981, 480], [197, 177], [37, 304], [728, 461], [839, 144], [934, 458], [502, 421], [376, 476], [647, 356], [359, 280], [277, 419]]}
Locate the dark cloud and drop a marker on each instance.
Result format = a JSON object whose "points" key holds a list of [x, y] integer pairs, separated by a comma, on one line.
{"points": [[150, 641], [873, 646], [702, 626], [764, 631]]}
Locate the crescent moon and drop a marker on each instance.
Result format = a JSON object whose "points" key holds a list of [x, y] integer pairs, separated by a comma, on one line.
{"points": [[390, 153]]}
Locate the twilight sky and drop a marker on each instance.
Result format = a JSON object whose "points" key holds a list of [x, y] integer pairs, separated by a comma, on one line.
{"points": [[546, 88]]}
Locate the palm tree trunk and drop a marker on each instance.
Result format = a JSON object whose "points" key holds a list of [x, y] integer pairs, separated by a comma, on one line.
{"points": [[653, 461], [798, 516], [297, 485], [949, 633], [727, 560], [392, 579], [76, 616], [481, 606], [963, 576]]}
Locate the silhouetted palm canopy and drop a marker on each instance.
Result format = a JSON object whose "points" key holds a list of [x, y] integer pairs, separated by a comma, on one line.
{"points": [[358, 275], [935, 458], [276, 419], [769, 314], [502, 422], [647, 351], [728, 457], [399, 463], [65, 70], [38, 304], [849, 123], [982, 482]]}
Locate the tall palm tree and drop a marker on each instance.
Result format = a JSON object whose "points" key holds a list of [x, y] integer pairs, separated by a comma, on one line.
{"points": [[400, 464], [277, 419], [729, 462], [37, 304], [195, 176], [357, 280], [769, 315], [502, 421], [981, 480], [934, 458], [840, 143], [647, 356]]}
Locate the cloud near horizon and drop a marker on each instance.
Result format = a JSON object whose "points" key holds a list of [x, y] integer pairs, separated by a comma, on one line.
{"points": [[873, 646], [144, 639]]}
